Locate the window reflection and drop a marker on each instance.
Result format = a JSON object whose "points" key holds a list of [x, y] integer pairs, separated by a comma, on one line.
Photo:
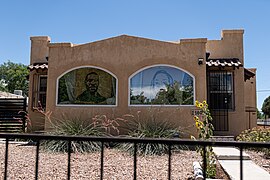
{"points": [[161, 85]]}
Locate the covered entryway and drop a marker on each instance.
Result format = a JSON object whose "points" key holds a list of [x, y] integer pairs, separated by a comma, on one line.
{"points": [[220, 90]]}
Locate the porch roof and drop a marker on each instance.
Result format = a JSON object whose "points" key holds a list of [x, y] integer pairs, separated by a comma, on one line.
{"points": [[224, 62]]}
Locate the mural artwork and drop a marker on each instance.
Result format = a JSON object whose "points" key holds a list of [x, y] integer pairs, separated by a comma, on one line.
{"points": [[87, 86], [161, 85]]}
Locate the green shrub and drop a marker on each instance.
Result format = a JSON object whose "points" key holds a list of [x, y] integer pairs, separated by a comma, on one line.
{"points": [[150, 127], [257, 134]]}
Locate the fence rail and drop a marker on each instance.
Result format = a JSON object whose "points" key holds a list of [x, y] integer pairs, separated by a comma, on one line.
{"points": [[169, 142]]}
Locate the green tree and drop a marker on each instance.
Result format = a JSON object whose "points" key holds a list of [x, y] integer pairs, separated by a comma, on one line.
{"points": [[266, 106], [259, 114], [13, 76]]}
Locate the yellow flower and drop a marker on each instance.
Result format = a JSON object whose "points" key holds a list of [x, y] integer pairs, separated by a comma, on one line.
{"points": [[200, 105], [197, 103], [204, 102], [199, 124], [196, 118]]}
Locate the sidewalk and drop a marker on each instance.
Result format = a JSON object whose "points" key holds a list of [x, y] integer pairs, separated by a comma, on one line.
{"points": [[229, 159]]}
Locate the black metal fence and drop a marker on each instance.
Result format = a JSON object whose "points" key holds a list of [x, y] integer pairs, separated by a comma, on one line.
{"points": [[169, 142]]}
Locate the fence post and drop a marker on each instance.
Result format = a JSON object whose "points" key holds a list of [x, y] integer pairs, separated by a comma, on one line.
{"points": [[6, 160], [37, 159], [102, 160], [204, 162], [241, 162], [69, 154], [135, 162], [170, 159]]}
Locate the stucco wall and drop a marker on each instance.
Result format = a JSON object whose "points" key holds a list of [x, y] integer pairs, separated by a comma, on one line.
{"points": [[39, 52], [251, 101], [123, 56], [39, 49], [231, 46]]}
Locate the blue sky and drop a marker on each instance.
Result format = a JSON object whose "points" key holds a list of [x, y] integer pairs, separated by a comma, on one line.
{"points": [[83, 21]]}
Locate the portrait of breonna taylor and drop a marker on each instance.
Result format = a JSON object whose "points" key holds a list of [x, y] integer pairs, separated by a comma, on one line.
{"points": [[87, 86]]}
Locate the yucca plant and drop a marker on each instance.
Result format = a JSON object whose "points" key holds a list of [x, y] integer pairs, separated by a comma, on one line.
{"points": [[150, 127], [99, 125], [74, 126]]}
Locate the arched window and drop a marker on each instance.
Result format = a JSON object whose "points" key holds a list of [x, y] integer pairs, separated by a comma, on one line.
{"points": [[161, 84], [87, 86]]}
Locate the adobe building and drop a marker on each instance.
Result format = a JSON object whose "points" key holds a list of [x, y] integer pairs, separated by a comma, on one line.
{"points": [[126, 75]]}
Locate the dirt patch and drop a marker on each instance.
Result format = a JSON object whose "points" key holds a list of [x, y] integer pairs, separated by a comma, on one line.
{"points": [[220, 173], [259, 159]]}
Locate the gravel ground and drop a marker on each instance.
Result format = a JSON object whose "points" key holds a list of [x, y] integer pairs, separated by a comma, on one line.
{"points": [[258, 158], [117, 165]]}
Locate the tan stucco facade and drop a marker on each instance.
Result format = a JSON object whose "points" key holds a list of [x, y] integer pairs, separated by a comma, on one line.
{"points": [[250, 101], [231, 46], [125, 55]]}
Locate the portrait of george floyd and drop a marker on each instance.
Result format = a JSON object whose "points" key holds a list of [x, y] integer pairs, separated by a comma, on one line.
{"points": [[87, 86]]}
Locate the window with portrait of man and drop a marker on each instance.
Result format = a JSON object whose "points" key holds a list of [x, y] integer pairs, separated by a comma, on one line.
{"points": [[87, 86]]}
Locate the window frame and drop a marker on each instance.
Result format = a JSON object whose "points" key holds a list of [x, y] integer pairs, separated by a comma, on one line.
{"points": [[36, 90], [87, 105], [43, 92], [161, 105]]}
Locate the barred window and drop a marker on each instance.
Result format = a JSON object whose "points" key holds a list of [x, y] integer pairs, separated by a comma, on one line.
{"points": [[221, 90]]}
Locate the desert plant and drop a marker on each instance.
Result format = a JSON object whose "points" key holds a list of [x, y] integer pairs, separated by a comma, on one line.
{"points": [[257, 134], [74, 126], [150, 127], [99, 125], [205, 131]]}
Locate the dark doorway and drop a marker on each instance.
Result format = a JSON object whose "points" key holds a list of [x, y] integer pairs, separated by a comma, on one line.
{"points": [[220, 97]]}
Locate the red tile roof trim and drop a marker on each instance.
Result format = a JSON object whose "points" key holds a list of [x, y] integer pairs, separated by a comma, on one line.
{"points": [[233, 62], [38, 66]]}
